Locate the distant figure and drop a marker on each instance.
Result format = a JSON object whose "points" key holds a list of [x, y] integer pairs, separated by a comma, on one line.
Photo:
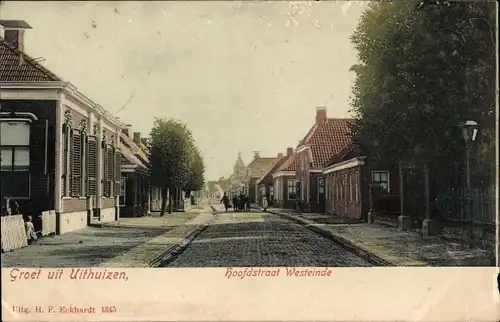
{"points": [[264, 203], [235, 203], [241, 202], [30, 230], [225, 201]]}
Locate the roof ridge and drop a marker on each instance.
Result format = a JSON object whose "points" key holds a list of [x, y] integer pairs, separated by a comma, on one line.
{"points": [[27, 58], [308, 135]]}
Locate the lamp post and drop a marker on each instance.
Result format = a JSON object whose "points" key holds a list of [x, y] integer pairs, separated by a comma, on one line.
{"points": [[469, 131]]}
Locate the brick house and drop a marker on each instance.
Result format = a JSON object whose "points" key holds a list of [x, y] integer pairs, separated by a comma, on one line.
{"points": [[254, 171], [266, 182], [326, 138], [59, 150], [285, 182], [357, 182]]}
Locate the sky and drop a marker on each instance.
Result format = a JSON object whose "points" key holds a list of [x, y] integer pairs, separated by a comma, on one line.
{"points": [[245, 76]]}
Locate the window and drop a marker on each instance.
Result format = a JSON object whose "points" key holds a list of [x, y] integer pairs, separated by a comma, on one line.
{"points": [[121, 198], [15, 158], [357, 185], [351, 187], [292, 184], [302, 161], [381, 179], [271, 193]]}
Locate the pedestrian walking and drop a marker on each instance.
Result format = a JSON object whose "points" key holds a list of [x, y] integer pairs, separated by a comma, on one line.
{"points": [[225, 201], [235, 203], [241, 202]]}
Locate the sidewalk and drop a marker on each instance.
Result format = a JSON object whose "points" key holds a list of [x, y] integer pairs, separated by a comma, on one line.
{"points": [[390, 246], [144, 238], [153, 252]]}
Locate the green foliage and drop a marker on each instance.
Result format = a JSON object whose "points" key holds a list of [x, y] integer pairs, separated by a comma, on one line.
{"points": [[421, 74], [197, 171], [171, 145]]}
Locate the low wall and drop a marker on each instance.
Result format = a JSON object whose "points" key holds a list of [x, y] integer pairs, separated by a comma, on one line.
{"points": [[72, 221], [48, 222], [108, 214], [13, 233]]}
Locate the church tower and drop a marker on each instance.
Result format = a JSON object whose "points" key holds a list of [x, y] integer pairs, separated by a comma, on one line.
{"points": [[239, 166]]}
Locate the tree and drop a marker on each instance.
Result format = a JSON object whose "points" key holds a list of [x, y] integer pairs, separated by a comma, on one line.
{"points": [[196, 171], [171, 144], [422, 73]]}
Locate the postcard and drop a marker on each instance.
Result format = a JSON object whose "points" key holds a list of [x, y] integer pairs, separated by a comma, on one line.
{"points": [[249, 160]]}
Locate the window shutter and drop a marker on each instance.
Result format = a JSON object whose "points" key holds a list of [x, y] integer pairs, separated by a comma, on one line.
{"points": [[118, 163], [76, 164], [109, 170], [92, 166], [83, 175], [64, 163], [38, 161]]}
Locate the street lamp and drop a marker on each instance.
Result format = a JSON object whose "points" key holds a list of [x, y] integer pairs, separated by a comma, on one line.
{"points": [[469, 131]]}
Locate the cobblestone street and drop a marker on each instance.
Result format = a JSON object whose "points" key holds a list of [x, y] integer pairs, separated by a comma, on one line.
{"points": [[262, 239]]}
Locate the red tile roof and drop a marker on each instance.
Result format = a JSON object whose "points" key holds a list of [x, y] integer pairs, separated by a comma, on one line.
{"points": [[325, 141], [290, 164], [16, 66]]}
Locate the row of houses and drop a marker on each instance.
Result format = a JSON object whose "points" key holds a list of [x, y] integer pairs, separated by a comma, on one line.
{"points": [[65, 160], [331, 172], [327, 172]]}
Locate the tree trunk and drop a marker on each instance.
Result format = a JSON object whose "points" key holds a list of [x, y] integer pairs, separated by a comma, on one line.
{"points": [[170, 204], [163, 201]]}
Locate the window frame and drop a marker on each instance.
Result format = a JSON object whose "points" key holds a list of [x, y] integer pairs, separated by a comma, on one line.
{"points": [[388, 182], [357, 190], [12, 147]]}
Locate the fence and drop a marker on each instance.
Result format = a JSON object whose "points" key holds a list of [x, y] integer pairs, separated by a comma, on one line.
{"points": [[13, 233], [453, 204], [48, 222]]}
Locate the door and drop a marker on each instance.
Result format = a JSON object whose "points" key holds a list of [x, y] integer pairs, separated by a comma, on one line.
{"points": [[321, 194]]}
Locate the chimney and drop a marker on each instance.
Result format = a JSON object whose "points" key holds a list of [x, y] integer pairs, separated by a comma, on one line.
{"points": [[289, 151], [144, 141], [126, 132], [137, 137], [321, 115], [280, 155], [256, 155], [13, 32]]}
